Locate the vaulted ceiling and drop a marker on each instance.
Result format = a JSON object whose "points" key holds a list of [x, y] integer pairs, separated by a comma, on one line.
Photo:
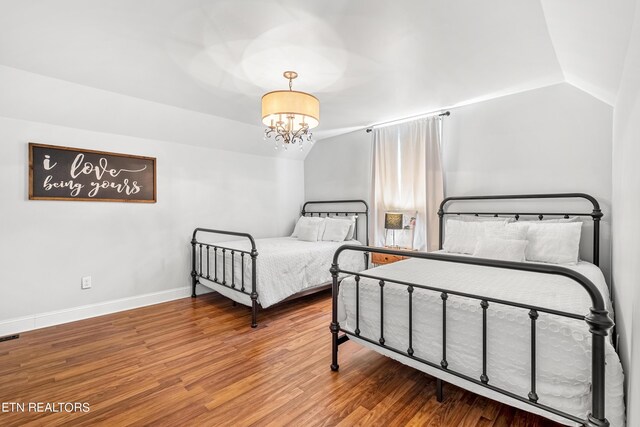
{"points": [[367, 60]]}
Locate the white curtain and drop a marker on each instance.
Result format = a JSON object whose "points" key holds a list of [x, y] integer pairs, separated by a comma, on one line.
{"points": [[407, 176]]}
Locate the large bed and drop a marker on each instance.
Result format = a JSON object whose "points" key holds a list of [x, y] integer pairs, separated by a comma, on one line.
{"points": [[529, 334], [259, 273]]}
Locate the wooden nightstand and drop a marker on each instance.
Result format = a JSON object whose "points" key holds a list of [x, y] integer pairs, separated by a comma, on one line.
{"points": [[381, 259]]}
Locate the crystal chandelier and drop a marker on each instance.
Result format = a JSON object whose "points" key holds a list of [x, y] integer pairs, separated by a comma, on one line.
{"points": [[289, 115]]}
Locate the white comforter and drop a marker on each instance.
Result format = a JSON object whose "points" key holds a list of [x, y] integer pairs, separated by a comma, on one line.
{"points": [[285, 266], [563, 345]]}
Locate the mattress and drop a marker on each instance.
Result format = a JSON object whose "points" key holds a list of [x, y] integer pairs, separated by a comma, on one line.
{"points": [[285, 266], [563, 345]]}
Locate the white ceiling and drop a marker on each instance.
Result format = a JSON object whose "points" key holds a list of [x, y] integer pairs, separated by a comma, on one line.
{"points": [[591, 38], [367, 60]]}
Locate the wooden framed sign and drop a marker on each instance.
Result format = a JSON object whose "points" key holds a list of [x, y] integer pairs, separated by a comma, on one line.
{"points": [[64, 173]]}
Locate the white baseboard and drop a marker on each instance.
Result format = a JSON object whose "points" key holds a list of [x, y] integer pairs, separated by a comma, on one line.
{"points": [[51, 318]]}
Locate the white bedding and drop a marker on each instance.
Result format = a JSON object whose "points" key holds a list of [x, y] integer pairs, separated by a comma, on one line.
{"points": [[563, 345], [285, 266]]}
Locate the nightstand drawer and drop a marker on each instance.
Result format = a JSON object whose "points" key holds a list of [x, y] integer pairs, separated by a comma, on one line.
{"points": [[378, 258]]}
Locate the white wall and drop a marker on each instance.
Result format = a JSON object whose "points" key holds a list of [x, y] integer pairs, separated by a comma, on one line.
{"points": [[38, 98], [129, 249], [339, 168], [626, 228], [553, 139], [549, 140]]}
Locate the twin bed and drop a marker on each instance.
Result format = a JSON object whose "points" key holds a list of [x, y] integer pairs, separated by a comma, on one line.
{"points": [[262, 272], [533, 335]]}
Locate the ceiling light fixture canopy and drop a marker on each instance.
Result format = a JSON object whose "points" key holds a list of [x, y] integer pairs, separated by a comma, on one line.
{"points": [[289, 115]]}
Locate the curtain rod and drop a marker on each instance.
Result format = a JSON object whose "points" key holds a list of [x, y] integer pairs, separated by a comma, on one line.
{"points": [[420, 116]]}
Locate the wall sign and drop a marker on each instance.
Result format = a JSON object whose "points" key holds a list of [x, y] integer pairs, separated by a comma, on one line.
{"points": [[63, 173]]}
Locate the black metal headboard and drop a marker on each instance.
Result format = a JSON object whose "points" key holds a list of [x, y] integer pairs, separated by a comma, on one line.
{"points": [[364, 210], [595, 214]]}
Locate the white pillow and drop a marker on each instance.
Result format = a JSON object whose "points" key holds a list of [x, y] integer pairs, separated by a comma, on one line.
{"points": [[510, 231], [473, 218], [305, 220], [350, 220], [461, 236], [551, 221], [309, 231], [336, 230], [504, 249], [352, 229], [553, 242]]}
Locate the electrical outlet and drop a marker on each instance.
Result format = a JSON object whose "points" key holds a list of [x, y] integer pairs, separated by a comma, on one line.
{"points": [[86, 282]]}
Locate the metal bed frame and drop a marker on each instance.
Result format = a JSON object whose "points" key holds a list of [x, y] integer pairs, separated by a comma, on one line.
{"points": [[203, 270], [597, 319]]}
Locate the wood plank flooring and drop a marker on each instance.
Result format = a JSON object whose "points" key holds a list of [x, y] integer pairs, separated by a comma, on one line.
{"points": [[198, 363]]}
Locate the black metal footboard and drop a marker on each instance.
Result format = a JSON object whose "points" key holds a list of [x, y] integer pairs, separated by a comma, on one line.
{"points": [[597, 319], [203, 269], [218, 275]]}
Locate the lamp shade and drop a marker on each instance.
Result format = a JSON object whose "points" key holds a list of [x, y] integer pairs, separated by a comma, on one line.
{"points": [[393, 221], [280, 104]]}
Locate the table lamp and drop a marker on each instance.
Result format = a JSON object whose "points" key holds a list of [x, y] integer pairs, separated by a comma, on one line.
{"points": [[393, 222]]}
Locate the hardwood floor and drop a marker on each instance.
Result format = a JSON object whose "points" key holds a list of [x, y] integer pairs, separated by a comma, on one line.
{"points": [[197, 362]]}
